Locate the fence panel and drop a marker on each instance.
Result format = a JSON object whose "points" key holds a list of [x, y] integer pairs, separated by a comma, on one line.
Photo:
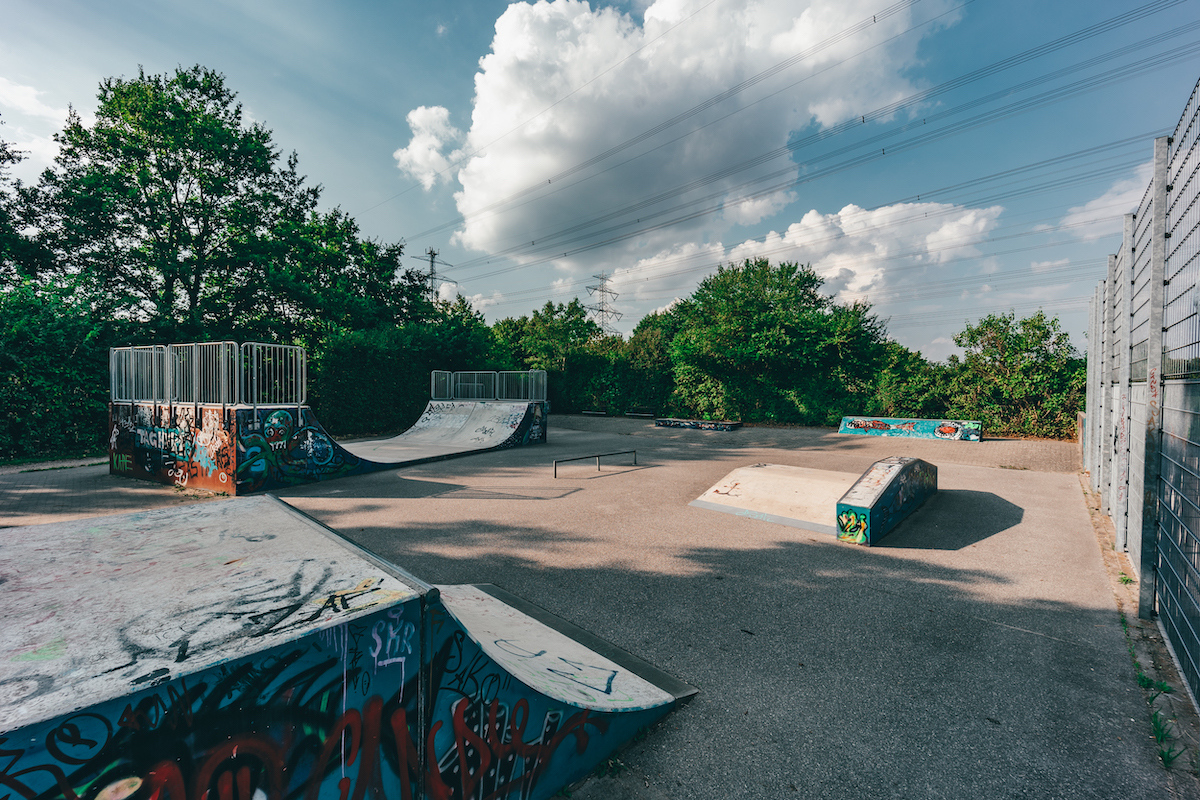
{"points": [[138, 374], [441, 385], [274, 374], [474, 386], [204, 372], [530, 385], [1181, 312]]}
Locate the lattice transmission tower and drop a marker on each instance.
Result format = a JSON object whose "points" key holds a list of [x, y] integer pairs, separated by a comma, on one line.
{"points": [[602, 312]]}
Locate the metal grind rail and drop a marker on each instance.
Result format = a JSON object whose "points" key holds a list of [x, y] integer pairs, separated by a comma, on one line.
{"points": [[597, 456]]}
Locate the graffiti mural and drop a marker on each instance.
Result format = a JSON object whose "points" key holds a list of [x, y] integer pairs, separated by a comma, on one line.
{"points": [[183, 445], [314, 719], [698, 424], [245, 449], [518, 715], [948, 429], [268, 662], [278, 447], [885, 494]]}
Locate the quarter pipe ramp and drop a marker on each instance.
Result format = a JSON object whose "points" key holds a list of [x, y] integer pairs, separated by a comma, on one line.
{"points": [[246, 449]]}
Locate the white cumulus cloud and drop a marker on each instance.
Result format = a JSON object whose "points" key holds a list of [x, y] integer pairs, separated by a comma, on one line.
{"points": [[423, 158], [1102, 216], [859, 251], [567, 87]]}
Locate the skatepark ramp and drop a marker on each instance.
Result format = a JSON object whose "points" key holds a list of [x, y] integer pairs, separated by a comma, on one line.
{"points": [[234, 418], [860, 509], [274, 659]]}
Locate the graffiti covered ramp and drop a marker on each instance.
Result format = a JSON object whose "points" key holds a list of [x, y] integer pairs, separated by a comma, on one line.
{"points": [[455, 426], [795, 496], [239, 648]]}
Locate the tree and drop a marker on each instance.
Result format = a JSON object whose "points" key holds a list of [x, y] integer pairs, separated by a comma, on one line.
{"points": [[759, 341], [173, 211], [1018, 376]]}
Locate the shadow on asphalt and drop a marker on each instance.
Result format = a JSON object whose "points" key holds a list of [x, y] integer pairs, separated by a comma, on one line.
{"points": [[953, 519], [834, 671]]}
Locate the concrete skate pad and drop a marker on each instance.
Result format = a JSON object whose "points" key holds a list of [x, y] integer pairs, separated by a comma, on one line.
{"points": [[795, 496]]}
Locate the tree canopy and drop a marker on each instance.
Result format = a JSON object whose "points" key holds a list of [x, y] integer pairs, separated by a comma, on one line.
{"points": [[172, 210]]}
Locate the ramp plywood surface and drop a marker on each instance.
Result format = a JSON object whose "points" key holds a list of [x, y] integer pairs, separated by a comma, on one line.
{"points": [[452, 427]]}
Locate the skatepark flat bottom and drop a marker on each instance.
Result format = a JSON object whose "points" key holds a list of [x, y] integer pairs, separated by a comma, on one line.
{"points": [[977, 653]]}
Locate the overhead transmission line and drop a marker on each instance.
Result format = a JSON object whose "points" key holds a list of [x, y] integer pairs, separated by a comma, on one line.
{"points": [[1188, 51], [1057, 44], [574, 91], [614, 234], [1041, 187]]}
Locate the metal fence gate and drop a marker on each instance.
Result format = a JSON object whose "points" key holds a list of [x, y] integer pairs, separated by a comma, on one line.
{"points": [[1142, 445]]}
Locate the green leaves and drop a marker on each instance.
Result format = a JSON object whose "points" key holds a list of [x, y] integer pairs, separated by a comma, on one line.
{"points": [[760, 342], [173, 211]]}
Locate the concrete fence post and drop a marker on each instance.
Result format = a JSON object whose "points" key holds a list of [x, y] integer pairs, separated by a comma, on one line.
{"points": [[1152, 459]]}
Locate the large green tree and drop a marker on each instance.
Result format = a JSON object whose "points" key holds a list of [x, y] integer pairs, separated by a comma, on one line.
{"points": [[1020, 376], [759, 341], [173, 210]]}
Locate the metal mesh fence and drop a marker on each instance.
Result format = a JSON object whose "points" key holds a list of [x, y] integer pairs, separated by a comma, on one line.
{"points": [[1151, 316], [1181, 311], [1178, 543], [1139, 326]]}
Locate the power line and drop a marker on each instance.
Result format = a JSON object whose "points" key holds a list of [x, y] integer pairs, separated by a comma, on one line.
{"points": [[1061, 42]]}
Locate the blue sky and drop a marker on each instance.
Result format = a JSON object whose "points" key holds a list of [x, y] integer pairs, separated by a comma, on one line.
{"points": [[923, 155]]}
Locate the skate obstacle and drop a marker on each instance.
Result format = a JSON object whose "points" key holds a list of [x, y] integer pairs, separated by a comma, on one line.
{"points": [[239, 650], [946, 429], [233, 418], [861, 509]]}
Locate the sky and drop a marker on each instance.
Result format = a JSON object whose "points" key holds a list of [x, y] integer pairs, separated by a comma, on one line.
{"points": [[940, 159]]}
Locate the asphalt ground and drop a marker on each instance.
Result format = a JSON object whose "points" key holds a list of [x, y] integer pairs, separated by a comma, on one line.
{"points": [[977, 652]]}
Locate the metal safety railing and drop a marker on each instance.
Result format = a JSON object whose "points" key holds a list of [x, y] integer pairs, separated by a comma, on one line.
{"points": [[138, 373], [501, 385], [441, 385], [209, 373], [274, 374]]}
